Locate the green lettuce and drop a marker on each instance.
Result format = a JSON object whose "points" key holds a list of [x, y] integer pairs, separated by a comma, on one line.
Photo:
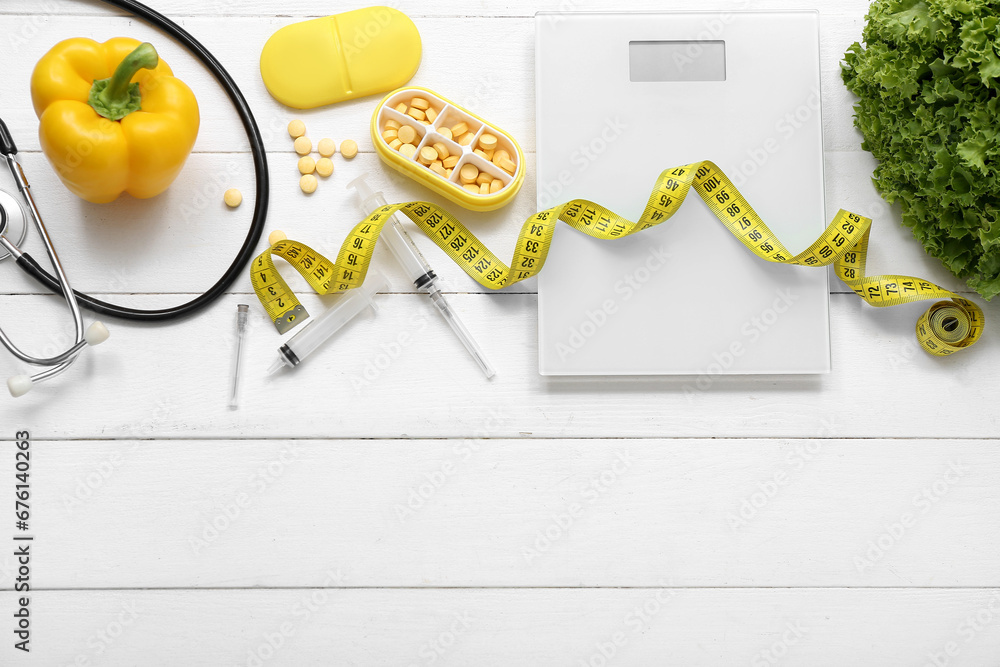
{"points": [[929, 109]]}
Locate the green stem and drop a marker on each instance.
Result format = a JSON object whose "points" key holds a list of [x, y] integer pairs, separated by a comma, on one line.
{"points": [[117, 97]]}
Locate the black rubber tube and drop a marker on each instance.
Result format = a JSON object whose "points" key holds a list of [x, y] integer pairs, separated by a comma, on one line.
{"points": [[246, 253]]}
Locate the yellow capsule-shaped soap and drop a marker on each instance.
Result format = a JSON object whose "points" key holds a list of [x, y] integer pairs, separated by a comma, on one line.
{"points": [[341, 57]]}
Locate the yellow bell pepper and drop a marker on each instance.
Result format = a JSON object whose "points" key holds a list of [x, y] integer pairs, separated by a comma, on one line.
{"points": [[113, 118]]}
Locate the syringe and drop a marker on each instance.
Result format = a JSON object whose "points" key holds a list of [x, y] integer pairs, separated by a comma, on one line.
{"points": [[313, 333], [408, 255]]}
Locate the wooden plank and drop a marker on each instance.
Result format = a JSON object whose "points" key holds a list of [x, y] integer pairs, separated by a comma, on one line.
{"points": [[495, 512], [402, 373], [820, 628]]}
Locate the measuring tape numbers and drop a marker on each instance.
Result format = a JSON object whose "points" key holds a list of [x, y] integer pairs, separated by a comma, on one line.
{"points": [[278, 299], [947, 327]]}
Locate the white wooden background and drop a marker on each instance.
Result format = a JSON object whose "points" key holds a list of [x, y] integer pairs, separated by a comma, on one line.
{"points": [[417, 515]]}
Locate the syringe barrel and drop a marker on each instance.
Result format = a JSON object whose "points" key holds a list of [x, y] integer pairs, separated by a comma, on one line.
{"points": [[349, 305]]}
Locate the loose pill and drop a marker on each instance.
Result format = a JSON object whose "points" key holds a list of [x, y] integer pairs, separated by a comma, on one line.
{"points": [[481, 153], [324, 166], [395, 144], [401, 107], [431, 114], [472, 187], [507, 166], [496, 186], [389, 135], [450, 161], [416, 113], [392, 124], [349, 148], [468, 173], [487, 142], [407, 134], [277, 236], [483, 177], [296, 129], [409, 150], [460, 128], [445, 132], [328, 147], [308, 183], [233, 197], [427, 155], [442, 150], [307, 165], [484, 188], [303, 146], [500, 154], [466, 139], [437, 168], [420, 103]]}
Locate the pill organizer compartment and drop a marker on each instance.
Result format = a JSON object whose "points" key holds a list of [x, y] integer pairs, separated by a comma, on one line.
{"points": [[449, 115]]}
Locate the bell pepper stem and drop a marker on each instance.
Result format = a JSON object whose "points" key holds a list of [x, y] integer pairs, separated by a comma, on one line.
{"points": [[117, 97]]}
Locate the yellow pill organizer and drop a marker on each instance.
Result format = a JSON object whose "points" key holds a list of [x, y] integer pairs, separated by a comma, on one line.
{"points": [[448, 115], [340, 57]]}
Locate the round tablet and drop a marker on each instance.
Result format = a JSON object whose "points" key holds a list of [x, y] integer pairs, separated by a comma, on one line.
{"points": [[324, 166], [233, 197], [303, 146], [327, 147], [488, 142], [409, 150], [428, 154], [276, 236], [296, 129], [468, 173], [349, 148], [407, 134], [308, 183], [307, 165]]}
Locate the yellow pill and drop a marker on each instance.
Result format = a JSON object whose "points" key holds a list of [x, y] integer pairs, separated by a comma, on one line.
{"points": [[277, 236], [427, 155], [496, 186], [401, 107], [442, 150], [472, 187], [466, 139], [483, 177], [484, 188], [390, 134], [448, 172], [395, 144], [296, 129], [468, 173], [488, 142], [307, 165], [327, 147], [407, 134], [324, 166], [349, 148], [507, 166], [481, 153], [416, 113], [489, 155], [424, 122], [392, 124], [445, 132], [501, 154], [308, 183], [450, 161], [303, 146], [438, 169], [409, 150], [233, 197], [431, 114], [460, 128], [420, 103]]}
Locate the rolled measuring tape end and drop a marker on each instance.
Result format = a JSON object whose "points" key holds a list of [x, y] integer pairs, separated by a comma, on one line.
{"points": [[278, 299], [844, 244]]}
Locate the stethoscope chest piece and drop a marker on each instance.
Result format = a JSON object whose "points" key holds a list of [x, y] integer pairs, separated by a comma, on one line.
{"points": [[13, 221]]}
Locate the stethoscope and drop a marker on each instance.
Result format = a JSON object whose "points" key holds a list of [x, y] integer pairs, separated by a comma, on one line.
{"points": [[12, 218], [13, 224]]}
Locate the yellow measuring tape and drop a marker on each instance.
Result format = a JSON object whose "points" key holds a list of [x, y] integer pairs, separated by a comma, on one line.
{"points": [[947, 327]]}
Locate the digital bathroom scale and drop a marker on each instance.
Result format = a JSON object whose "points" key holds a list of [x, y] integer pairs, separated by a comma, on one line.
{"points": [[623, 96]]}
